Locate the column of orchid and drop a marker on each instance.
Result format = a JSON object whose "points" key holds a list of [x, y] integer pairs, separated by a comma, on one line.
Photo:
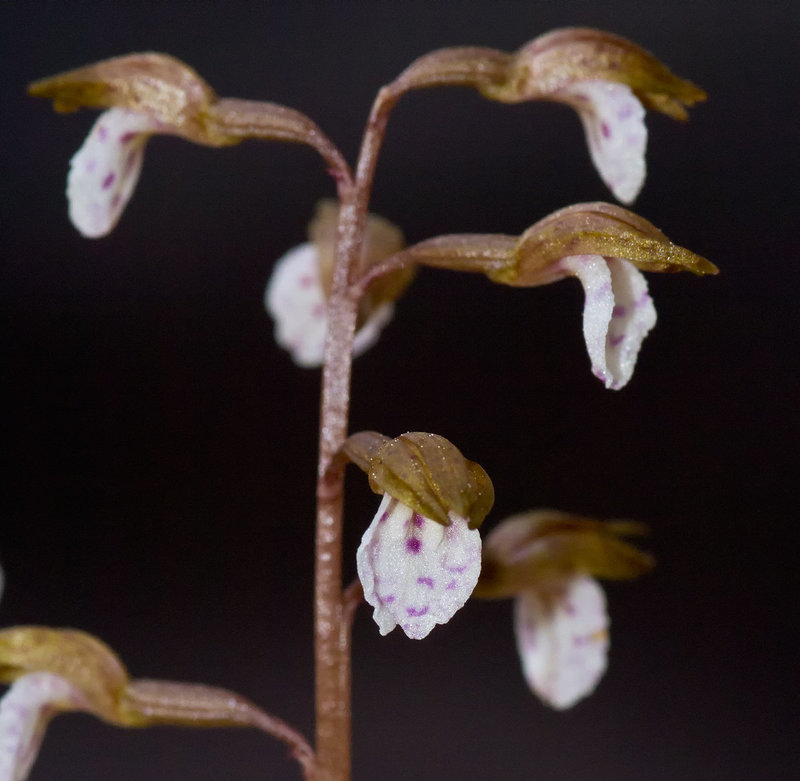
{"points": [[422, 556]]}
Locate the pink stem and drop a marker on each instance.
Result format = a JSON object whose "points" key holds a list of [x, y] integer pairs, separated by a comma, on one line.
{"points": [[332, 619]]}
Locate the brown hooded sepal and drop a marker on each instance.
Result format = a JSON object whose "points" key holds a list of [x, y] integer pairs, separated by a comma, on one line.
{"points": [[533, 258], [178, 101], [545, 546], [425, 472], [594, 229], [104, 688], [556, 60], [382, 240], [546, 67]]}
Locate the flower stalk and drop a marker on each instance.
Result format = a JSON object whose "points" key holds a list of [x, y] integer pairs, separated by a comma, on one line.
{"points": [[421, 558], [332, 624]]}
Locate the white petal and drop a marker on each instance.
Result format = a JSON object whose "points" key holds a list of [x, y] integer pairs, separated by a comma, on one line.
{"points": [[295, 299], [618, 313], [104, 171], [632, 319], [416, 572], [613, 119], [25, 711], [368, 334], [562, 638], [296, 302]]}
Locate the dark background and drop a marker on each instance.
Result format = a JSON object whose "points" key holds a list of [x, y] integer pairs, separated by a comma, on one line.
{"points": [[161, 448]]}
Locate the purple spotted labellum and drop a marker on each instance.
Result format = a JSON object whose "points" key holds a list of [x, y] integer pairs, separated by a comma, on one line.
{"points": [[104, 171], [416, 572], [296, 300], [617, 315], [297, 293], [562, 639], [613, 120]]}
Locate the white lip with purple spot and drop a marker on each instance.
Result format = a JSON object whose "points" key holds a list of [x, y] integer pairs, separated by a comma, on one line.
{"points": [[415, 572]]}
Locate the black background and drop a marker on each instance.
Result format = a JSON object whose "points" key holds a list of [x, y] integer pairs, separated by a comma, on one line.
{"points": [[161, 448]]}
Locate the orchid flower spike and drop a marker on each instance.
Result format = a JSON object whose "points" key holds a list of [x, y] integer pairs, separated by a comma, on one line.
{"points": [[608, 80], [545, 560], [420, 558], [151, 93], [297, 292]]}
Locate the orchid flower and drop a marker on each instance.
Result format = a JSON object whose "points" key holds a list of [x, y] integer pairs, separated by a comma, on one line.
{"points": [[59, 670], [546, 561], [605, 246], [296, 294], [420, 558], [151, 93], [295, 299], [607, 79]]}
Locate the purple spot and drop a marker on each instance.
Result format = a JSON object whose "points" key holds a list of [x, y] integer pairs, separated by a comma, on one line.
{"points": [[130, 159], [383, 517], [412, 611], [306, 281], [109, 180], [619, 311], [643, 299], [615, 340], [389, 599], [102, 132], [602, 291], [413, 545], [426, 581], [605, 130], [450, 586], [126, 138], [91, 165], [457, 570], [418, 520]]}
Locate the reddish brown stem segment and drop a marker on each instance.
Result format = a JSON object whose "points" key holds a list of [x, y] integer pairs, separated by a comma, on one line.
{"points": [[331, 618]]}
